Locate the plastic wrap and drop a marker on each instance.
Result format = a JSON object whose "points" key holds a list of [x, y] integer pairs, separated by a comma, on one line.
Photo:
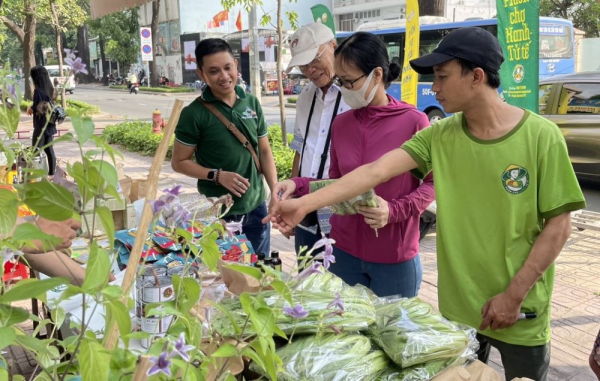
{"points": [[350, 206], [330, 358], [358, 314], [412, 332]]}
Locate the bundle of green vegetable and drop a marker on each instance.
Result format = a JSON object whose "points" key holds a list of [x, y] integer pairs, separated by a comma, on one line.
{"points": [[420, 372], [358, 313], [411, 332], [330, 357], [350, 206]]}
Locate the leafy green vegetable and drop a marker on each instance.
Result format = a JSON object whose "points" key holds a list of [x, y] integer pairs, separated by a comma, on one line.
{"points": [[411, 332], [420, 372], [330, 357], [350, 206]]}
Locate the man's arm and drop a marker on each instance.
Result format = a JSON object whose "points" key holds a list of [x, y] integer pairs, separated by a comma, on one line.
{"points": [[267, 163], [296, 165], [502, 310]]}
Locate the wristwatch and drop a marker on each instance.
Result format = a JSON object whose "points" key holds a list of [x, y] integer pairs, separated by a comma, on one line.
{"points": [[212, 175]]}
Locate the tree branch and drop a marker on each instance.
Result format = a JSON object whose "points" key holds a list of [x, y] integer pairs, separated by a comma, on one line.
{"points": [[16, 29]]}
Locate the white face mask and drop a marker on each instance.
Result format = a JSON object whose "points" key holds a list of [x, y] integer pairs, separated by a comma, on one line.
{"points": [[356, 98]]}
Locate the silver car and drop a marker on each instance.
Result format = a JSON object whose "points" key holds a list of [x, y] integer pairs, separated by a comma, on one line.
{"points": [[573, 103]]}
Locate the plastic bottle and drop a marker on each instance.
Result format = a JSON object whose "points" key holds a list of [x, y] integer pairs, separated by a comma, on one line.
{"points": [[277, 264], [261, 259]]}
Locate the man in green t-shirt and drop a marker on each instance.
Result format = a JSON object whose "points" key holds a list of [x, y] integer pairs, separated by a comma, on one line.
{"points": [[223, 165], [504, 187]]}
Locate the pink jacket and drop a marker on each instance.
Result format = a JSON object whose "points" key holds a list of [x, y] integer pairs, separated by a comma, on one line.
{"points": [[361, 137]]}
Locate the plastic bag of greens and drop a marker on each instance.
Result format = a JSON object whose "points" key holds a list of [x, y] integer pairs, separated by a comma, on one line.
{"points": [[350, 206], [425, 371], [330, 358], [358, 313], [411, 332]]}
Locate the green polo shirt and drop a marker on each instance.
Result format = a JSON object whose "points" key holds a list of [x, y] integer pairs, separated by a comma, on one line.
{"points": [[218, 148]]}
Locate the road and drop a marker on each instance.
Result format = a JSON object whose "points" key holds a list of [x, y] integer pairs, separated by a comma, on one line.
{"points": [[123, 104]]}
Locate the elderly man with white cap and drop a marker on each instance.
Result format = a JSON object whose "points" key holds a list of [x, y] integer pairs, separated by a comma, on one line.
{"points": [[318, 104]]}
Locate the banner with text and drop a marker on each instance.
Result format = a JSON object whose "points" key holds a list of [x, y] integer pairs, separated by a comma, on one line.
{"points": [[518, 33], [410, 78]]}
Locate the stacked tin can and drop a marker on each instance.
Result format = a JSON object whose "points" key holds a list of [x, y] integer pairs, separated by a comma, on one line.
{"points": [[153, 285]]}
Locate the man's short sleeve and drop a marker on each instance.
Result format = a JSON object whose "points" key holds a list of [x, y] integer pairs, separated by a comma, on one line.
{"points": [[419, 148], [559, 191], [188, 130], [262, 123]]}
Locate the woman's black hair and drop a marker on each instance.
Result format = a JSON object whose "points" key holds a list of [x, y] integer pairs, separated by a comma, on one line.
{"points": [[41, 80], [366, 51]]}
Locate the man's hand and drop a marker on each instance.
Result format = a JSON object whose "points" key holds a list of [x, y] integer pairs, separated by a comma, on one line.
{"points": [[236, 184], [377, 217], [64, 230], [285, 215], [501, 311]]}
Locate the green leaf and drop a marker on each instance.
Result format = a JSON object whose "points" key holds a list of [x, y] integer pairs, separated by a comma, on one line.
{"points": [[112, 292], [31, 343], [106, 218], [84, 127], [97, 270], [7, 336], [283, 289], [94, 361], [249, 352], [185, 235], [31, 288], [118, 313], [225, 350], [58, 316], [49, 357], [210, 252], [122, 361], [227, 313], [49, 200], [9, 204], [68, 137], [30, 232], [107, 172], [252, 271], [110, 190], [187, 291]]}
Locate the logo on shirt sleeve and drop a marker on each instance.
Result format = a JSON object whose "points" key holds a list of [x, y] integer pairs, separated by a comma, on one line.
{"points": [[515, 179]]}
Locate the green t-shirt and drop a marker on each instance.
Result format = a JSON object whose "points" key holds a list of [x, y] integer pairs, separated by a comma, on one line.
{"points": [[218, 148], [492, 199]]}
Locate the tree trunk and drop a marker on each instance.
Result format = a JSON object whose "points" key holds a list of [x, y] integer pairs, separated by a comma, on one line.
{"points": [[280, 73], [28, 48], [432, 7], [153, 75], [39, 54], [83, 52], [59, 51], [104, 62]]}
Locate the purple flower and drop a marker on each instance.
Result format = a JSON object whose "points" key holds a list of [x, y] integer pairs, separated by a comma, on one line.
{"points": [[77, 65], [70, 54], [327, 257], [327, 242], [314, 268], [181, 348], [161, 364], [234, 227], [158, 206], [171, 194], [337, 303], [178, 216], [297, 312]]}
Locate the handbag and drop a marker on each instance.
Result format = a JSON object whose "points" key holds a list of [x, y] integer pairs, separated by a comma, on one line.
{"points": [[234, 130], [58, 114]]}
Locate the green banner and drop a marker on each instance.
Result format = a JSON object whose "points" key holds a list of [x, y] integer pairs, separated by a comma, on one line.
{"points": [[518, 33], [323, 15]]}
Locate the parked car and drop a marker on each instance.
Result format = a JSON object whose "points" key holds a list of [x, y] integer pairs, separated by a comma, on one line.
{"points": [[573, 103], [67, 72]]}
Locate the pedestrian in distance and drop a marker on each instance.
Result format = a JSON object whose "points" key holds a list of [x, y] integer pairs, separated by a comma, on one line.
{"points": [[379, 247], [505, 188]]}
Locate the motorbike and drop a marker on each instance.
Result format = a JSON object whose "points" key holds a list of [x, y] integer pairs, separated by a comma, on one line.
{"points": [[428, 219], [134, 88]]}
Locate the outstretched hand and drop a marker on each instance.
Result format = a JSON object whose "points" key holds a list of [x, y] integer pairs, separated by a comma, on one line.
{"points": [[285, 215]]}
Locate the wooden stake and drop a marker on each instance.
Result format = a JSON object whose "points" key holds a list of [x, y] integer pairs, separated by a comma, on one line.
{"points": [[141, 370], [112, 334]]}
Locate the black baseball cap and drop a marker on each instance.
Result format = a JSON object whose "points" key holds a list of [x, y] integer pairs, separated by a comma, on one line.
{"points": [[472, 44]]}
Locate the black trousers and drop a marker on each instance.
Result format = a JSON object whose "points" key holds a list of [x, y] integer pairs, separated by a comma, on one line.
{"points": [[39, 140]]}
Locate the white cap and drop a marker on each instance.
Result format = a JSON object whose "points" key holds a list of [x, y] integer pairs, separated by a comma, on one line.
{"points": [[305, 43]]}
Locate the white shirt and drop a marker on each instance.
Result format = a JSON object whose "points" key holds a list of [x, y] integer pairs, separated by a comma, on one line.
{"points": [[319, 127]]}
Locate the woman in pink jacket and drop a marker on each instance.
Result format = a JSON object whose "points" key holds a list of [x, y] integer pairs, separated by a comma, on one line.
{"points": [[378, 248]]}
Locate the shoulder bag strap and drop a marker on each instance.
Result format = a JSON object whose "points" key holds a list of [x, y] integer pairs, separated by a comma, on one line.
{"points": [[326, 148], [234, 130], [310, 114]]}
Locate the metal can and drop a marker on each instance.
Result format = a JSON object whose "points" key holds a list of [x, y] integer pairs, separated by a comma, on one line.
{"points": [[191, 272], [151, 272], [147, 341], [157, 290], [155, 324]]}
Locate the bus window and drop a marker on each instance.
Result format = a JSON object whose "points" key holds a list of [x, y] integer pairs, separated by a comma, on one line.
{"points": [[429, 41], [394, 48]]}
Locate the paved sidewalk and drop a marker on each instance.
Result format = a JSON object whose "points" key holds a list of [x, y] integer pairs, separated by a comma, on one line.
{"points": [[575, 305]]}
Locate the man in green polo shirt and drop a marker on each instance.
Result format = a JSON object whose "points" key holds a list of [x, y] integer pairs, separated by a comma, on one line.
{"points": [[223, 165], [505, 188]]}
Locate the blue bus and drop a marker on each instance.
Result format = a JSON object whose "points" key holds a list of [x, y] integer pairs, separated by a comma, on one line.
{"points": [[557, 50]]}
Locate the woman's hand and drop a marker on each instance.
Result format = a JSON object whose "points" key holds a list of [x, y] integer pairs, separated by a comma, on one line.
{"points": [[284, 190], [29, 110], [377, 217], [236, 184]]}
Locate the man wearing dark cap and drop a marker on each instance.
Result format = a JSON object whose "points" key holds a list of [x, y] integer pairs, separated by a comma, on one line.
{"points": [[498, 235]]}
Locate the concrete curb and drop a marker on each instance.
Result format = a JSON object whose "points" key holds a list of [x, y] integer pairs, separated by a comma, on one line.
{"points": [[290, 105]]}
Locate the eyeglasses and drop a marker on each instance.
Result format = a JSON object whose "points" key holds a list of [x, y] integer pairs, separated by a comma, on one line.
{"points": [[314, 62], [349, 84]]}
